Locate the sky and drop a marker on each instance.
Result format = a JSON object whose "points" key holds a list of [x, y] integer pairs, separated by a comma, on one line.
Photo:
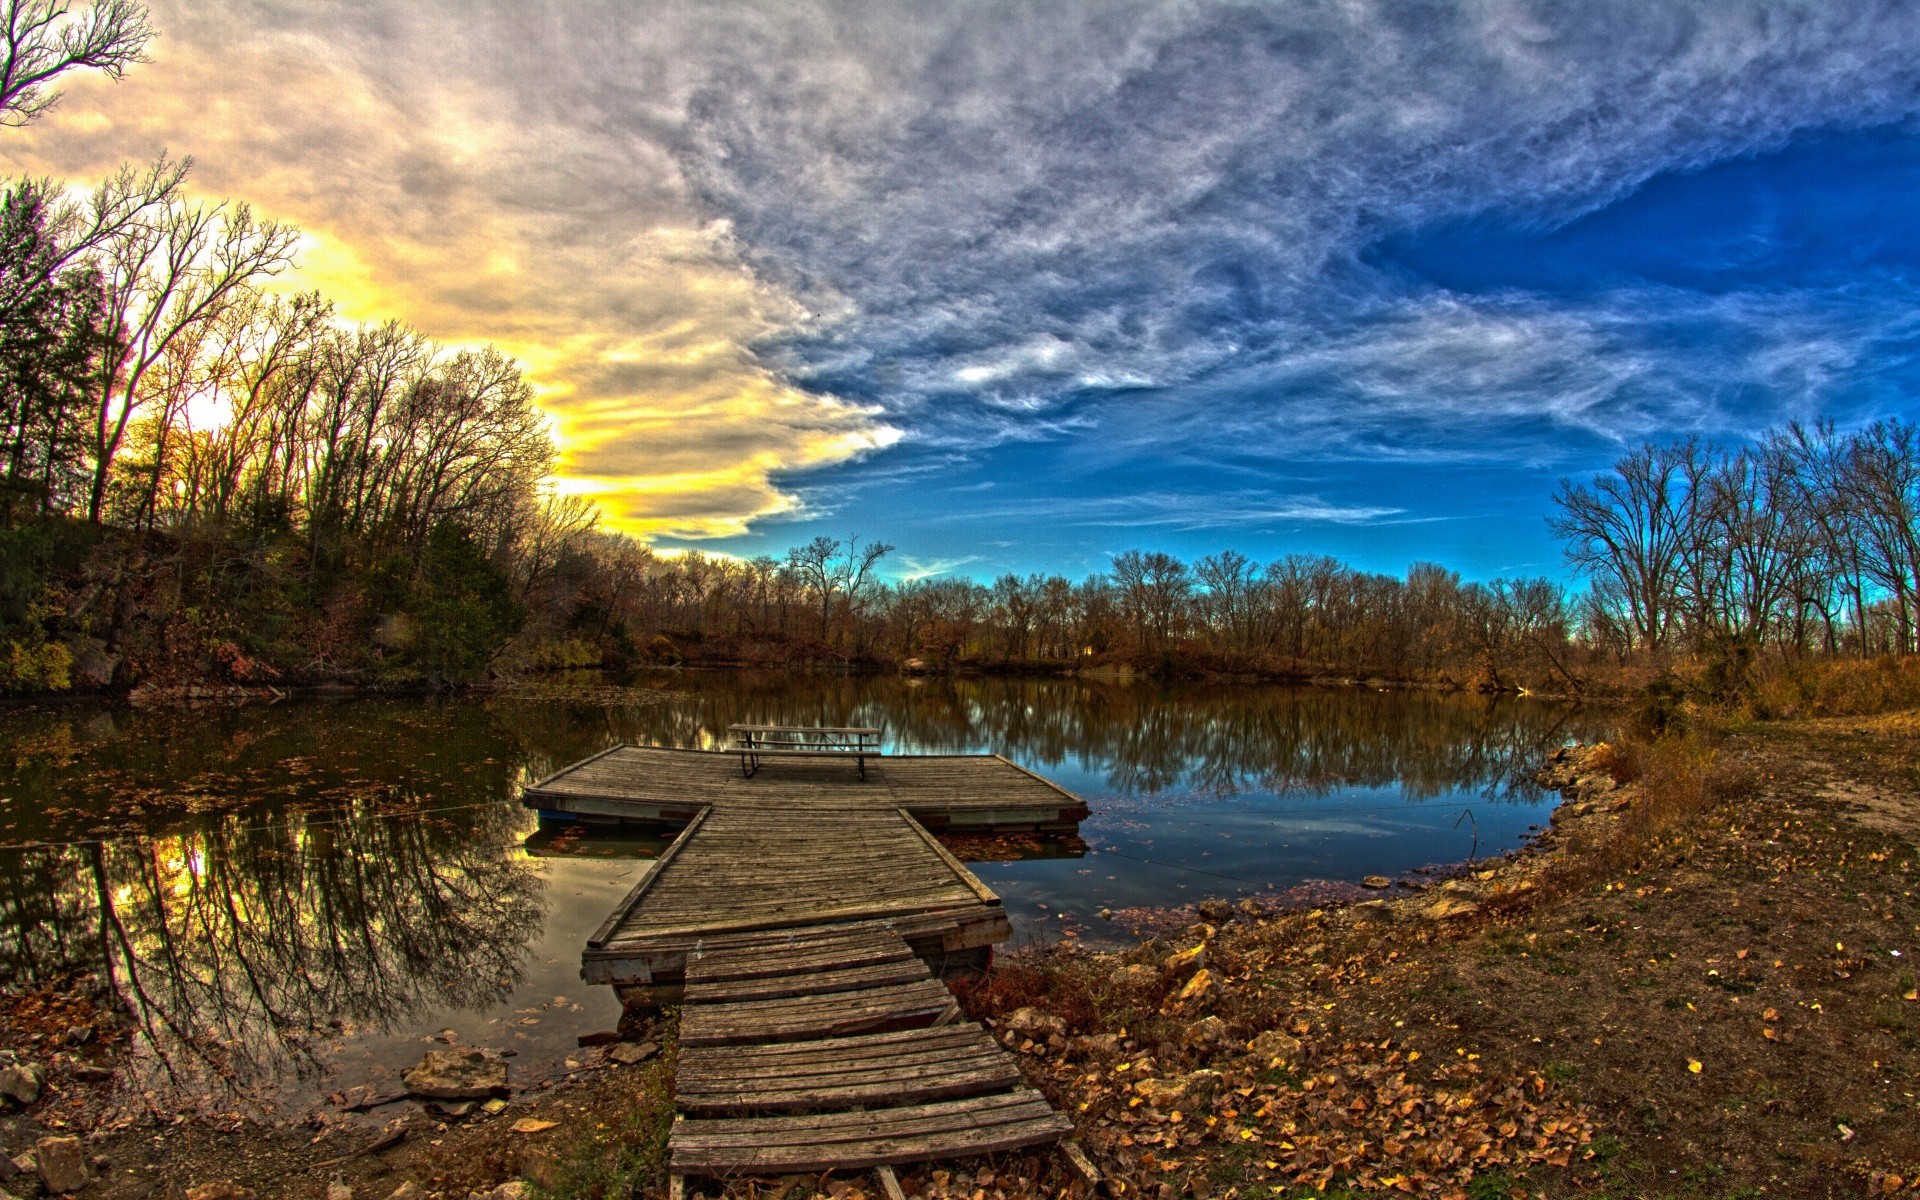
{"points": [[1020, 286]]}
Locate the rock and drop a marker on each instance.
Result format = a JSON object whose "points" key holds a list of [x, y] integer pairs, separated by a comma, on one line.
{"points": [[407, 1191], [1250, 909], [1097, 1045], [1137, 976], [513, 1189], [1032, 1023], [225, 1189], [1214, 910], [629, 1053], [63, 1164], [8, 1168], [1376, 882], [1205, 1033], [1191, 1092], [454, 1109], [1203, 986], [1447, 908], [20, 1083], [1272, 1045], [339, 1191], [604, 1037], [1371, 912], [457, 1075], [1186, 960], [1105, 914]]}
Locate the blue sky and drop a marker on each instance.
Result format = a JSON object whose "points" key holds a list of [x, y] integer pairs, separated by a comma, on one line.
{"points": [[1017, 284], [1770, 286]]}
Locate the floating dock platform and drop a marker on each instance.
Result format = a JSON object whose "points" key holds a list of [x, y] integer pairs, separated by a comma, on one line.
{"points": [[802, 918]]}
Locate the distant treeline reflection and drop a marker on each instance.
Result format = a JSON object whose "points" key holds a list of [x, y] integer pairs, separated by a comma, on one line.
{"points": [[1142, 738]]}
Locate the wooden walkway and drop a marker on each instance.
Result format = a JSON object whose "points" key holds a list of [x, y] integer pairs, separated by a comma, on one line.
{"points": [[800, 919], [833, 1048]]}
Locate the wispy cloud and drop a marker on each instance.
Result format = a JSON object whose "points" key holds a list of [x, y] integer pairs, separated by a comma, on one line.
{"points": [[910, 569], [742, 243], [1186, 511]]}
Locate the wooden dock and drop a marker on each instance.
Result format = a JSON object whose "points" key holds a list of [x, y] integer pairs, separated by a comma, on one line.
{"points": [[801, 919]]}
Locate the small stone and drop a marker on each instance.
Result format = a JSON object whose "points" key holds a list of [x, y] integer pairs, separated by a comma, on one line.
{"points": [[1371, 912], [1100, 1045], [20, 1083], [1272, 1045], [456, 1109], [513, 1189], [224, 1189], [1448, 908], [629, 1053], [63, 1164], [1214, 910], [9, 1169], [1376, 882], [339, 1191], [1105, 914], [1191, 959], [1250, 908], [1203, 986], [1191, 1092], [1205, 1033], [1032, 1023], [407, 1191], [457, 1075]]}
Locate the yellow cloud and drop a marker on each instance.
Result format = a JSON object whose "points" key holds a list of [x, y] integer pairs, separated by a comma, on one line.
{"points": [[424, 200]]}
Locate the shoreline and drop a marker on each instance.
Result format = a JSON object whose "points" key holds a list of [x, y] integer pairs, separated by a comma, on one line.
{"points": [[1579, 1017]]}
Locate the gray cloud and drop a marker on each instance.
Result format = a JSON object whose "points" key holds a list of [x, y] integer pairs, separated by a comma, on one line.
{"points": [[987, 222]]}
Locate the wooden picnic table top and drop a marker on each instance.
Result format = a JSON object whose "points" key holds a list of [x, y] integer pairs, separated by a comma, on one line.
{"points": [[803, 729]]}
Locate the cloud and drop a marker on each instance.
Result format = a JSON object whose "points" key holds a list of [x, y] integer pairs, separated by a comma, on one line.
{"points": [[1019, 212], [448, 197], [1185, 511], [740, 243]]}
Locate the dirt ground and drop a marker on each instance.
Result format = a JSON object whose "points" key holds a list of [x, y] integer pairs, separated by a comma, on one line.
{"points": [[1724, 1006]]}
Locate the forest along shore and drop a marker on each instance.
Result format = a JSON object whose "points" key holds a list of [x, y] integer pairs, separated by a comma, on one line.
{"points": [[1697, 983]]}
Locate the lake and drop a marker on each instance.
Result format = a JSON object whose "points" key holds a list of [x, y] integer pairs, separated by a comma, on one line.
{"points": [[294, 899]]}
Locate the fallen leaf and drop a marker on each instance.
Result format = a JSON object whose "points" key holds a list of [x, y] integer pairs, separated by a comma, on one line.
{"points": [[533, 1125], [1693, 1065]]}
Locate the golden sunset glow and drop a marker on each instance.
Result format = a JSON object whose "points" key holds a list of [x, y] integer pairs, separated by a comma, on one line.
{"points": [[423, 203]]}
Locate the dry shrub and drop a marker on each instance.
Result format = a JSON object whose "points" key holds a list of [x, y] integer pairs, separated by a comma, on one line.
{"points": [[1678, 780], [1839, 688], [1620, 760]]}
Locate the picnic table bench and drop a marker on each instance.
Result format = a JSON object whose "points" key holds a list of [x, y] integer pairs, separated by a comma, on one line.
{"points": [[756, 742]]}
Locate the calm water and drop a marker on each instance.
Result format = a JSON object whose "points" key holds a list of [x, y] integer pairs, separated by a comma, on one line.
{"points": [[294, 899]]}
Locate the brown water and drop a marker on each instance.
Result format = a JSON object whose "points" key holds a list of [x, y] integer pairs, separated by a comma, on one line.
{"points": [[294, 899]]}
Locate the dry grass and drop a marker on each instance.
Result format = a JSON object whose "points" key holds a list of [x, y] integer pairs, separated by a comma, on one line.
{"points": [[1838, 688]]}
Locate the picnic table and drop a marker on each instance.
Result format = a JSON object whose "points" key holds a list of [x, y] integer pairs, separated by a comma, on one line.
{"points": [[757, 742]]}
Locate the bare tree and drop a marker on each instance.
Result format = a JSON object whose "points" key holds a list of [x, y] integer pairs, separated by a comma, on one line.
{"points": [[164, 277], [45, 39]]}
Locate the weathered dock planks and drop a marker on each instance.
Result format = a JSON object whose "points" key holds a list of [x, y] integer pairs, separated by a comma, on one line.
{"points": [[845, 1069], [971, 792], [801, 843], [800, 917]]}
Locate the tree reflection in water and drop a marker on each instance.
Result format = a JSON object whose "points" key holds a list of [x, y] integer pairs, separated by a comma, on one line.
{"points": [[1143, 738], [241, 944], [259, 883]]}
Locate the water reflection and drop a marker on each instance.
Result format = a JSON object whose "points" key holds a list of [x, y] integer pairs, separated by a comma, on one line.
{"points": [[278, 892]]}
